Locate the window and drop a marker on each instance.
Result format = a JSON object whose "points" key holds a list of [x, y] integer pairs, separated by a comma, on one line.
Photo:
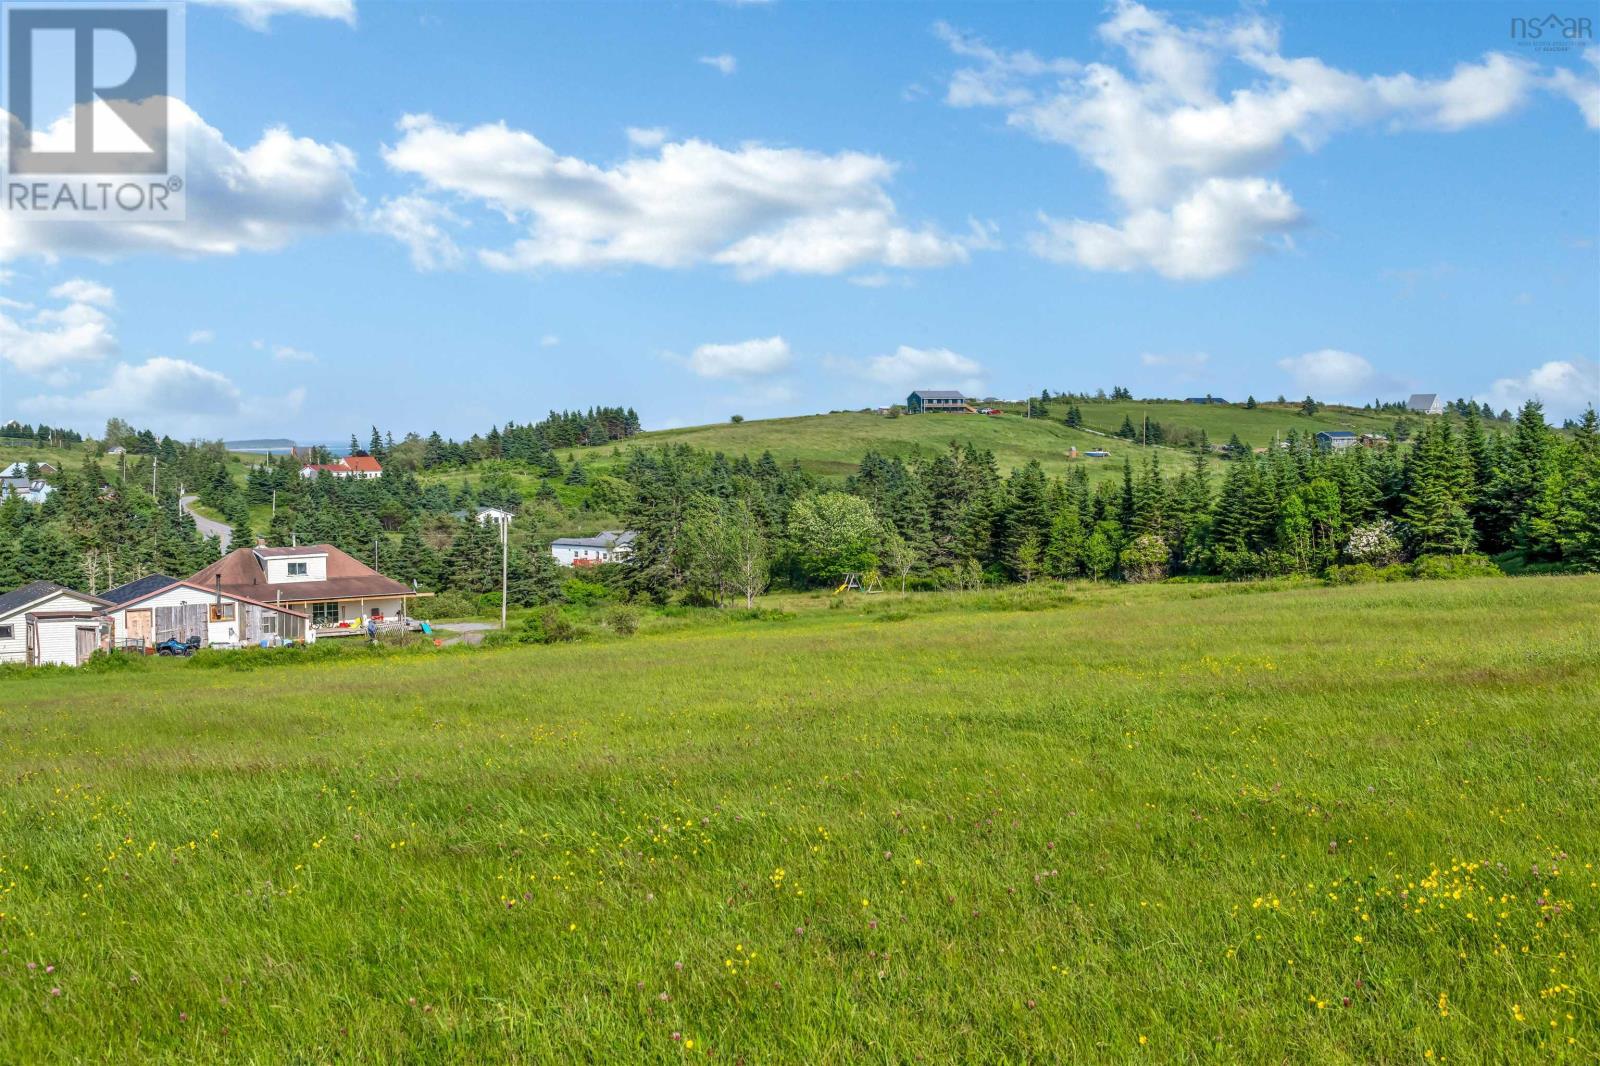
{"points": [[298, 569], [7, 632], [222, 612], [324, 614]]}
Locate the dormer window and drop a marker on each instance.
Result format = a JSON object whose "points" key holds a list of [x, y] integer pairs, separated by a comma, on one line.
{"points": [[298, 569]]}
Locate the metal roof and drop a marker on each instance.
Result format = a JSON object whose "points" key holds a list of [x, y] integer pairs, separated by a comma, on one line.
{"points": [[940, 394], [611, 538], [134, 589], [17, 598]]}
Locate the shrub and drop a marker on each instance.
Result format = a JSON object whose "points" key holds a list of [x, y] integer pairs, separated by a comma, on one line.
{"points": [[1145, 559], [585, 593], [549, 626], [104, 662], [449, 605], [1354, 574], [500, 638], [1375, 543], [622, 620], [1453, 567]]}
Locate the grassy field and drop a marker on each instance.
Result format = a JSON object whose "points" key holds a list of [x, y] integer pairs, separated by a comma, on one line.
{"points": [[1116, 824], [1255, 427]]}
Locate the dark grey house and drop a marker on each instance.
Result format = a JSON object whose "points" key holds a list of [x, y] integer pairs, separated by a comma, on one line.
{"points": [[926, 401], [1206, 399]]}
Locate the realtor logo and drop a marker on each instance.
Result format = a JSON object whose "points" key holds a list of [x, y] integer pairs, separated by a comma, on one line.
{"points": [[90, 98]]}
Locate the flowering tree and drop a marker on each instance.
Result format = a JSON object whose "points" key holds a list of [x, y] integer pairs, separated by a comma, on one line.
{"points": [[1375, 543]]}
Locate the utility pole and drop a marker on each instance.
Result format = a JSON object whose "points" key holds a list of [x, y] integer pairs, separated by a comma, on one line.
{"points": [[155, 461], [505, 548]]}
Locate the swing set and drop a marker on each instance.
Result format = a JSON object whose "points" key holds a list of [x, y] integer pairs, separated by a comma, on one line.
{"points": [[866, 584]]}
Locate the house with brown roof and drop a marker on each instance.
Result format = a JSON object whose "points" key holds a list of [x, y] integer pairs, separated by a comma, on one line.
{"points": [[356, 466], [335, 592]]}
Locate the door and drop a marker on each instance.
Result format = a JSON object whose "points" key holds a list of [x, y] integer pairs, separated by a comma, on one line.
{"points": [[139, 626], [86, 643]]}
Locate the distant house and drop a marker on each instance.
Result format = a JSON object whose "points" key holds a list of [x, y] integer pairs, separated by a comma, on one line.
{"points": [[1335, 440], [336, 593], [610, 546], [117, 450], [16, 470], [1425, 403], [356, 466], [1097, 453], [1374, 440], [486, 515], [158, 608], [927, 401], [1205, 399], [45, 623], [31, 491]]}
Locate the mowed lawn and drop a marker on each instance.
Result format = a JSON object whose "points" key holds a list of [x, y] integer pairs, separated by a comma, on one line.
{"points": [[1163, 824]]}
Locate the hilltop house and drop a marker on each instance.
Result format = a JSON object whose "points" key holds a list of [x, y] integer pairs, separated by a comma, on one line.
{"points": [[45, 623], [1206, 399], [336, 593], [1335, 440], [157, 608], [609, 546], [1425, 403], [927, 401], [356, 466]]}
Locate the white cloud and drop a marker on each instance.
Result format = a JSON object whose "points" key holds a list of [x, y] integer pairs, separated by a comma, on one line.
{"points": [[201, 336], [1565, 387], [79, 291], [549, 340], [1213, 232], [913, 368], [419, 223], [258, 198], [173, 392], [285, 354], [647, 136], [1189, 361], [49, 343], [258, 14], [751, 358], [1581, 89], [757, 209], [1329, 373], [724, 63], [1183, 155]]}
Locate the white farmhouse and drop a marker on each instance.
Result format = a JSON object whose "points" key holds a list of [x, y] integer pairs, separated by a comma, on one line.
{"points": [[608, 547], [45, 623], [356, 466], [155, 609]]}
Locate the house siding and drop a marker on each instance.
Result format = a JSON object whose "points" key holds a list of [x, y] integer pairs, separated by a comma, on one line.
{"points": [[15, 649]]}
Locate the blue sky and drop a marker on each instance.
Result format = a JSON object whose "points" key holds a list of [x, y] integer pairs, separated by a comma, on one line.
{"points": [[450, 216]]}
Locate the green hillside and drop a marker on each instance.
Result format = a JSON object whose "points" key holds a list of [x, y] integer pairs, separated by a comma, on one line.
{"points": [[1255, 427]]}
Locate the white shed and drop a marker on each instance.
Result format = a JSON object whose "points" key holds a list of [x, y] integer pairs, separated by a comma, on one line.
{"points": [[147, 612], [23, 609]]}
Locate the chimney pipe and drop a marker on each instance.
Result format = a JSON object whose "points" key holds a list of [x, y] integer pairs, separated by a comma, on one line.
{"points": [[219, 592]]}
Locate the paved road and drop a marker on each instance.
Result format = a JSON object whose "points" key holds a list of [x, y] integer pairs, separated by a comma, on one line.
{"points": [[468, 632], [206, 526]]}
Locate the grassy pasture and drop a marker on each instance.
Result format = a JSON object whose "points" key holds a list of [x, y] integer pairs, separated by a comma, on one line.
{"points": [[1112, 824]]}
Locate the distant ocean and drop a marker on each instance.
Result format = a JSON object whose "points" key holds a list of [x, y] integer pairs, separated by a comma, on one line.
{"points": [[280, 445]]}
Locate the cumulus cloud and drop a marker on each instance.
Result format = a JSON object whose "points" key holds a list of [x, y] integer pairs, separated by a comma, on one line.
{"points": [[201, 336], [420, 224], [757, 209], [258, 14], [1582, 89], [258, 198], [724, 63], [1565, 387], [912, 368], [174, 392], [50, 342], [1183, 155], [1329, 373], [745, 359], [647, 136]]}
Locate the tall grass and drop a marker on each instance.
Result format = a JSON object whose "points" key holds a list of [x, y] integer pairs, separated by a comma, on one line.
{"points": [[1132, 824]]}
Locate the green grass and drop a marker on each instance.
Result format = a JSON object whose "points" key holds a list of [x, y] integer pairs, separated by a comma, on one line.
{"points": [[1255, 427], [1032, 825]]}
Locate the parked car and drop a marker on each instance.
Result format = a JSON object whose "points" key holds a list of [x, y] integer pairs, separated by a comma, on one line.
{"points": [[174, 646]]}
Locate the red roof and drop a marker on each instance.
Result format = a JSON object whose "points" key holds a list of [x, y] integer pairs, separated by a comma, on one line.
{"points": [[362, 463]]}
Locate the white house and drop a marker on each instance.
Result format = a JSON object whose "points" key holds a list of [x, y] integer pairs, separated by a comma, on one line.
{"points": [[31, 491], [486, 515], [356, 466], [45, 623], [1425, 403], [158, 608], [336, 593], [607, 547]]}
